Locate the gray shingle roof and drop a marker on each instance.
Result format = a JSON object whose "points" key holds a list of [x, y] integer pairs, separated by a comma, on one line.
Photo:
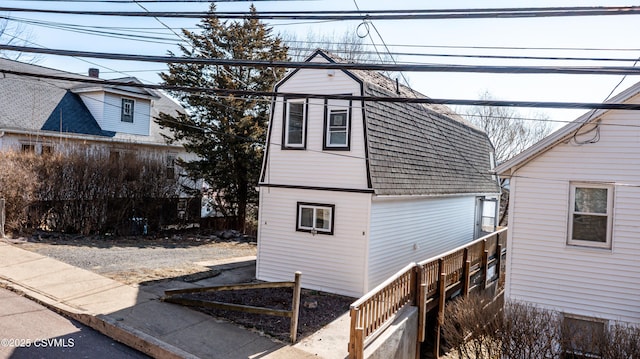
{"points": [[72, 116], [28, 103], [417, 149]]}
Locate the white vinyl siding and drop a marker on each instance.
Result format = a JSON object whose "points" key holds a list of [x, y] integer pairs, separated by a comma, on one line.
{"points": [[542, 267], [106, 108], [113, 112], [317, 166], [95, 104], [333, 263], [404, 231]]}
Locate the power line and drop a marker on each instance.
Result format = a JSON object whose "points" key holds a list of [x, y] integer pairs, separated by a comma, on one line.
{"points": [[150, 1], [482, 47], [584, 70], [270, 94], [413, 14], [137, 30]]}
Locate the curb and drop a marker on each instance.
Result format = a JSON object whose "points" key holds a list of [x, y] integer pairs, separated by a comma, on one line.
{"points": [[110, 327]]}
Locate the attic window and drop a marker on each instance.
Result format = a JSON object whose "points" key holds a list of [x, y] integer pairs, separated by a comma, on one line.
{"points": [[295, 124], [337, 126], [127, 110]]}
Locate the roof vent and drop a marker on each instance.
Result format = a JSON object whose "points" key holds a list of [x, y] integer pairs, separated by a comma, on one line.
{"points": [[93, 72]]}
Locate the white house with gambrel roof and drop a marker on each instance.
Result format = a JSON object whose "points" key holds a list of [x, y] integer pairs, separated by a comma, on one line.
{"points": [[352, 191], [574, 239]]}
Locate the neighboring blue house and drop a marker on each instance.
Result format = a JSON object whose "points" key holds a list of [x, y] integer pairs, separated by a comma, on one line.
{"points": [[43, 115]]}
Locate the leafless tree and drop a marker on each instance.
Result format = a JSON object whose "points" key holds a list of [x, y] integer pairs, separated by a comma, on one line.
{"points": [[509, 132], [13, 33], [347, 45]]}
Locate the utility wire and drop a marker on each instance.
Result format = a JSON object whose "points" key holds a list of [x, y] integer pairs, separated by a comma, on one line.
{"points": [[413, 14], [270, 94], [584, 70]]}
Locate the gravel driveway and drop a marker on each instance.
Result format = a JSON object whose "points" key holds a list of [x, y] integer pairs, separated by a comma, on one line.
{"points": [[141, 259]]}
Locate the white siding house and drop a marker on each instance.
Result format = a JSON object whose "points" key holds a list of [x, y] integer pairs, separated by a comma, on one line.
{"points": [[352, 191], [574, 239]]}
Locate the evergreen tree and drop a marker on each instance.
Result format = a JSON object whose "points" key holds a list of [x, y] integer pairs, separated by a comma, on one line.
{"points": [[227, 133]]}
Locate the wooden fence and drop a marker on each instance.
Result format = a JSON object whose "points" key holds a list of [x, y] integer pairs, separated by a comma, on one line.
{"points": [[293, 313], [427, 285]]}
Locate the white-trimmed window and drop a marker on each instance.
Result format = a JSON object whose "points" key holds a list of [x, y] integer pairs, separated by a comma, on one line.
{"points": [[295, 124], [337, 135], [127, 110], [590, 215], [315, 218]]}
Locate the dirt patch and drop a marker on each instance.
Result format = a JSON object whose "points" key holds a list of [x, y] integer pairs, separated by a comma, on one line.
{"points": [[321, 309]]}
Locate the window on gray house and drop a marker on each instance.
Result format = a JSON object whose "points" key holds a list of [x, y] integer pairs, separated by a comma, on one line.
{"points": [[590, 219], [46, 150], [171, 166], [28, 148], [315, 218], [127, 110], [295, 124]]}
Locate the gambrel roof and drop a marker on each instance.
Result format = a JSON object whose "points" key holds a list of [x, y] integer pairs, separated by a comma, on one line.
{"points": [[420, 149]]}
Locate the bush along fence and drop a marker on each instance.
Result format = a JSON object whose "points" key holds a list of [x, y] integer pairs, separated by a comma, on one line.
{"points": [[173, 296], [477, 266], [478, 328], [80, 190]]}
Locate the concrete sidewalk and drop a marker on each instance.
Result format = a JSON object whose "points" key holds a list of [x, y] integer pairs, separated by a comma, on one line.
{"points": [[139, 319]]}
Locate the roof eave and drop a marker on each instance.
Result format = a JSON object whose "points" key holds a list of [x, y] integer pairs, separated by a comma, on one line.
{"points": [[508, 167], [79, 136]]}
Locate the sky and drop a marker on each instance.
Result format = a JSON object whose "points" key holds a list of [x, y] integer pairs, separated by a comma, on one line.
{"points": [[614, 36]]}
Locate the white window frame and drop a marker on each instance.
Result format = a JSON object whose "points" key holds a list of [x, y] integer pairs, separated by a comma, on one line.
{"points": [[585, 243], [315, 207], [127, 111], [303, 137], [328, 128]]}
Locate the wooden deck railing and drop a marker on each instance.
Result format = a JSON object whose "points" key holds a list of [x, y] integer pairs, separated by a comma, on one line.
{"points": [[426, 284], [373, 311]]}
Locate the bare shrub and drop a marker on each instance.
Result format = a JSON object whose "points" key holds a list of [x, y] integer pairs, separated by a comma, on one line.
{"points": [[86, 190], [619, 341], [530, 332], [476, 329], [471, 327], [17, 187]]}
